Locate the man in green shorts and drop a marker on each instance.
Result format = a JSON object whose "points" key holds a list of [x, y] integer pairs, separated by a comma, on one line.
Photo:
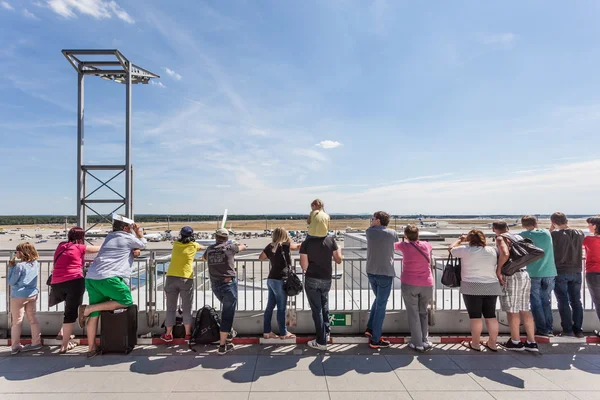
{"points": [[107, 280]]}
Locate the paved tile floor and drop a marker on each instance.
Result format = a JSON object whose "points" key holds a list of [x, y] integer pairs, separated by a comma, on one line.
{"points": [[345, 372]]}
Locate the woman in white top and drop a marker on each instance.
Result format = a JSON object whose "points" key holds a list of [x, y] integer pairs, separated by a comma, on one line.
{"points": [[479, 286]]}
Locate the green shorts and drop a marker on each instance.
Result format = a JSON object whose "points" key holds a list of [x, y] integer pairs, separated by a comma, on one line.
{"points": [[103, 290]]}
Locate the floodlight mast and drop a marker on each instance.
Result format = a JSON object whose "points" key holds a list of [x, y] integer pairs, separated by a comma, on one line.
{"points": [[120, 70]]}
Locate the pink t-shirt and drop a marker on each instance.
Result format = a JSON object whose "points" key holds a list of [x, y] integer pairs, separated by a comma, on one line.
{"points": [[416, 270], [68, 265]]}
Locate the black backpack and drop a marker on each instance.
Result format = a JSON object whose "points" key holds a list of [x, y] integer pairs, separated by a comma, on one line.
{"points": [[292, 285], [179, 328], [206, 326], [522, 252]]}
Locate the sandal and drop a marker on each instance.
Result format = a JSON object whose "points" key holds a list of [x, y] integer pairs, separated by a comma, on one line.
{"points": [[469, 345], [487, 346], [288, 336], [270, 335], [93, 353], [82, 319], [70, 347]]}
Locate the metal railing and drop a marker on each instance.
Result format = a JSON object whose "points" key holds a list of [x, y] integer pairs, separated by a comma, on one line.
{"points": [[350, 289]]}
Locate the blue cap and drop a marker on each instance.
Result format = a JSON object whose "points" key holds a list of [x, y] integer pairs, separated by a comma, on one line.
{"points": [[186, 231]]}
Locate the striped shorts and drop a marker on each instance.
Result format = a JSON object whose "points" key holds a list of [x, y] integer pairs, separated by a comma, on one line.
{"points": [[516, 292]]}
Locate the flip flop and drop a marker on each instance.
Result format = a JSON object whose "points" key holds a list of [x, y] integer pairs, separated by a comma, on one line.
{"points": [[288, 336], [468, 345], [82, 319], [270, 336], [487, 346], [70, 347]]}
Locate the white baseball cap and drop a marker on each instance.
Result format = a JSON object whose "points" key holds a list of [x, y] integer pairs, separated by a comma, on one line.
{"points": [[125, 220]]}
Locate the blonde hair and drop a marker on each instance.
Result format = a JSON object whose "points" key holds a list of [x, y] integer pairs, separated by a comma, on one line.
{"points": [[28, 251], [318, 203], [280, 235]]}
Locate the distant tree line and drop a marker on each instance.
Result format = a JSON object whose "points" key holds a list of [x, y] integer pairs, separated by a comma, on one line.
{"points": [[153, 218]]}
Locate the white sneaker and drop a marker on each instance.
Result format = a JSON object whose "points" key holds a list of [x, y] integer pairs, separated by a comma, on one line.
{"points": [[314, 345], [427, 345]]}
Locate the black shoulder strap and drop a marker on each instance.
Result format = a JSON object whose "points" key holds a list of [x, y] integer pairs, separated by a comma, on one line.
{"points": [[420, 251], [61, 253]]}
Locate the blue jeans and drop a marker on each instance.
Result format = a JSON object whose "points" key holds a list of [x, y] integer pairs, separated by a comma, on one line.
{"points": [[568, 295], [317, 293], [381, 286], [227, 293], [541, 303], [277, 297]]}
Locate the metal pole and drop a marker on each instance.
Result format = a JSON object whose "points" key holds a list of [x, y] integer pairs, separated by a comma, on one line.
{"points": [[81, 219], [128, 171]]}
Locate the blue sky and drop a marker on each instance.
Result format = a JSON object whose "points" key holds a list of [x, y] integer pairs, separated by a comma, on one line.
{"points": [[453, 107]]}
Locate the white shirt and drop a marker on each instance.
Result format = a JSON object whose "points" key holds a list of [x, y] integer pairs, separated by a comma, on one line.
{"points": [[115, 257], [478, 264]]}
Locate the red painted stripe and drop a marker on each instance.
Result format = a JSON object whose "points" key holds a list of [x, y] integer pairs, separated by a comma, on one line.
{"points": [[248, 340], [541, 339], [592, 339], [85, 342], [396, 340], [454, 339], [303, 340]]}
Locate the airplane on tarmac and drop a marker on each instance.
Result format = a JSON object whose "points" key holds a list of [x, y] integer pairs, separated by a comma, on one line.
{"points": [[433, 224], [516, 223]]}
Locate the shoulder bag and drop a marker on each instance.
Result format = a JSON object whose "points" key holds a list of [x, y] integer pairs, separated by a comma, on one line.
{"points": [[292, 285], [521, 253], [53, 299], [452, 276]]}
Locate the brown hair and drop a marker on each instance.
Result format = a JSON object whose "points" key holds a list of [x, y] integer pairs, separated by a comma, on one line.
{"points": [[28, 251], [500, 225], [383, 217], [411, 232], [529, 221], [559, 218], [476, 238], [76, 235], [318, 203], [596, 222]]}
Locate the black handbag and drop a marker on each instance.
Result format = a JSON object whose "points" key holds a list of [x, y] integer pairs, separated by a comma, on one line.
{"points": [[292, 285], [522, 253], [451, 276]]}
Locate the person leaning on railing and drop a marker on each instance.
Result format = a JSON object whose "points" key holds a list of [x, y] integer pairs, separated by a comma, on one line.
{"points": [[220, 258], [480, 286], [417, 285], [22, 278], [68, 282], [278, 253], [180, 282], [592, 263]]}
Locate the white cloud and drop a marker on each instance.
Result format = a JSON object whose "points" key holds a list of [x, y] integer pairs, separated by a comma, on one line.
{"points": [[173, 74], [28, 14], [158, 83], [310, 153], [505, 40], [257, 132], [328, 144], [6, 5], [99, 9]]}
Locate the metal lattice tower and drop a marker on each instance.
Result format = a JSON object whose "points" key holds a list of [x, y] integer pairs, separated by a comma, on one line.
{"points": [[120, 70]]}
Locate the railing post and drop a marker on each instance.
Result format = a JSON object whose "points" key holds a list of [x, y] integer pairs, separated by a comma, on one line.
{"points": [[151, 315]]}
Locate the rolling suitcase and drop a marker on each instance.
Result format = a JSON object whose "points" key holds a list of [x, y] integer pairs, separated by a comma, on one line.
{"points": [[118, 330]]}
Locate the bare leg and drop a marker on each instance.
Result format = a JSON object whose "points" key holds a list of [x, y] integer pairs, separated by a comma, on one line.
{"points": [[223, 338], [106, 306], [188, 329], [492, 325], [67, 330], [92, 326], [169, 330], [529, 325], [476, 327], [513, 323]]}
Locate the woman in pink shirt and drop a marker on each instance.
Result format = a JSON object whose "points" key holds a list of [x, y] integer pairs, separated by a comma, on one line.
{"points": [[417, 285], [68, 283]]}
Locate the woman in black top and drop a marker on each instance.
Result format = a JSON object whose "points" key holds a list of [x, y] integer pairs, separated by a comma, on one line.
{"points": [[278, 253]]}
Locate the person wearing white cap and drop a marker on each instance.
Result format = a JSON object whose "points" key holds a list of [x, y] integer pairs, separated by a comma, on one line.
{"points": [[107, 280], [221, 267]]}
